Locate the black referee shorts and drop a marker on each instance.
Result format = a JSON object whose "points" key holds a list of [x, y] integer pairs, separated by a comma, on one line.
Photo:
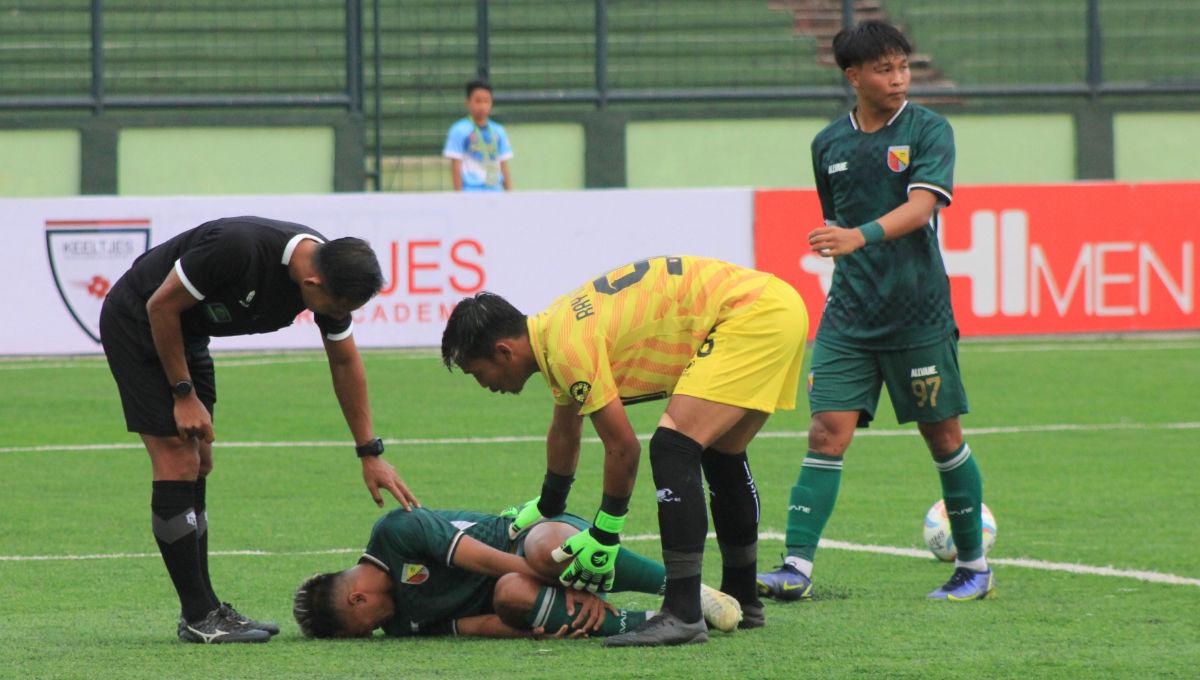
{"points": [[146, 395]]}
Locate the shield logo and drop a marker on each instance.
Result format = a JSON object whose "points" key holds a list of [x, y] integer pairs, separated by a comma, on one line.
{"points": [[86, 259], [414, 574], [897, 158]]}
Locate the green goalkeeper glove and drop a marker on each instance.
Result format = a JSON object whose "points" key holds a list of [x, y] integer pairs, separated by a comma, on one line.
{"points": [[524, 516], [593, 555]]}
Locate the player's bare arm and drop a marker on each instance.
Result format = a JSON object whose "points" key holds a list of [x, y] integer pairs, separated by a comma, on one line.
{"points": [[487, 625], [475, 556], [507, 175], [622, 449], [905, 219], [456, 173], [350, 386], [491, 626], [163, 308], [562, 441], [591, 555]]}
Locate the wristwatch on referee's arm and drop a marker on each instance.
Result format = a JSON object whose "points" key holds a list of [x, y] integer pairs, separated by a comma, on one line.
{"points": [[371, 448]]}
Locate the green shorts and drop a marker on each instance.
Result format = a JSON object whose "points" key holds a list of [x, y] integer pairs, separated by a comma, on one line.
{"points": [[924, 383]]}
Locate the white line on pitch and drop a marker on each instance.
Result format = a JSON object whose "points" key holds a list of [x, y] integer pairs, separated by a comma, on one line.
{"points": [[526, 439], [248, 358], [1042, 565], [222, 360]]}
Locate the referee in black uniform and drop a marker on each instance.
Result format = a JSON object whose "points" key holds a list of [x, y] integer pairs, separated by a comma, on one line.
{"points": [[231, 276]]}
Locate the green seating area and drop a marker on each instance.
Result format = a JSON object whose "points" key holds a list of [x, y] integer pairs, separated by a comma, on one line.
{"points": [[428, 49], [998, 42]]}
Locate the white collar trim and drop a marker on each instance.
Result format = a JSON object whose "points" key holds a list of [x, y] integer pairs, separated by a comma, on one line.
{"points": [[291, 246], [854, 120]]}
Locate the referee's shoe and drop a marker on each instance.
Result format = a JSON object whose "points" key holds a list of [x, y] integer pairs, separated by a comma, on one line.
{"points": [[218, 628]]}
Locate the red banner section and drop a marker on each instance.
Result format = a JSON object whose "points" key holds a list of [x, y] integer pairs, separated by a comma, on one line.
{"points": [[1078, 258]]}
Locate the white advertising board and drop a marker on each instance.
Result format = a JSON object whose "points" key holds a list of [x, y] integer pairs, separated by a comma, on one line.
{"points": [[62, 255]]}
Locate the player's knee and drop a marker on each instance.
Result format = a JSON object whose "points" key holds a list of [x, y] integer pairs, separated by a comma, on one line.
{"points": [[541, 542], [942, 438], [513, 598], [829, 436], [173, 458]]}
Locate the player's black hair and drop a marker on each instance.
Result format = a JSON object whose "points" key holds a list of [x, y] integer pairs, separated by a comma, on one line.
{"points": [[476, 324], [314, 608], [866, 42], [478, 84], [349, 269]]}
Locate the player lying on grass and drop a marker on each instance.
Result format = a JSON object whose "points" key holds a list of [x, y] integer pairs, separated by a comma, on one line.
{"points": [[456, 572]]}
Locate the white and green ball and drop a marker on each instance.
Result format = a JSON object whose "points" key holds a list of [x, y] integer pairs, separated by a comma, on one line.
{"points": [[939, 539]]}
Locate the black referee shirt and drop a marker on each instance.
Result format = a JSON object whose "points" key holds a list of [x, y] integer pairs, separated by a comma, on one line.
{"points": [[238, 268]]}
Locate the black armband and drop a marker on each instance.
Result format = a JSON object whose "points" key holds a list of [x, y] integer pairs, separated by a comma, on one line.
{"points": [[555, 488]]}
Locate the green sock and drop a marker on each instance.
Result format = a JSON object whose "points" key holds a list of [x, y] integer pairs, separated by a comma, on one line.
{"points": [[550, 613], [962, 489], [638, 574], [812, 503]]}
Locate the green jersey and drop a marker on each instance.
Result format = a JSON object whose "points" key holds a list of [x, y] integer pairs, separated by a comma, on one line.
{"points": [[893, 294], [417, 549]]}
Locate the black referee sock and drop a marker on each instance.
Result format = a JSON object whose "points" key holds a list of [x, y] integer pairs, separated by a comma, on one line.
{"points": [[682, 518], [733, 497], [202, 535], [173, 518]]}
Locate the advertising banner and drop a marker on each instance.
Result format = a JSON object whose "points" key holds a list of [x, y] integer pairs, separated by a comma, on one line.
{"points": [[62, 255], [1078, 258]]}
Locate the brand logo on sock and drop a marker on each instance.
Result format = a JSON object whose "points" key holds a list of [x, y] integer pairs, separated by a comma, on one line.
{"points": [[667, 496], [964, 511], [802, 508]]}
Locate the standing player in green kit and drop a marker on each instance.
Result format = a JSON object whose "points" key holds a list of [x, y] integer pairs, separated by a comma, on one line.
{"points": [[882, 173]]}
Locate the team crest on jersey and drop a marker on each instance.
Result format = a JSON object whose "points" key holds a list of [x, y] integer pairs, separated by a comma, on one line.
{"points": [[414, 574], [580, 391], [897, 158]]}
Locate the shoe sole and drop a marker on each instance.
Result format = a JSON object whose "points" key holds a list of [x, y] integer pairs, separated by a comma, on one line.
{"points": [[785, 596], [989, 595], [226, 640], [699, 638], [751, 623]]}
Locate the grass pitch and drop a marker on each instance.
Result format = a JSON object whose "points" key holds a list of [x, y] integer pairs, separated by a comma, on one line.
{"points": [[1089, 451]]}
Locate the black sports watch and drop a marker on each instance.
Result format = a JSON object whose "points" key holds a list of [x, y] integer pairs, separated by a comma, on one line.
{"points": [[371, 448], [182, 388]]}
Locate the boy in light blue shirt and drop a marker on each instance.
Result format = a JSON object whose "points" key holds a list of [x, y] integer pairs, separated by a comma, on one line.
{"points": [[477, 147]]}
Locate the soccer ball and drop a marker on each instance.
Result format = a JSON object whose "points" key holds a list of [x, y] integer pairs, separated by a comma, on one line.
{"points": [[937, 532]]}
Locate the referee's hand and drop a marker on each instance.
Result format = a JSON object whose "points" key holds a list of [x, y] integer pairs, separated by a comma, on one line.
{"points": [[379, 474], [193, 420]]}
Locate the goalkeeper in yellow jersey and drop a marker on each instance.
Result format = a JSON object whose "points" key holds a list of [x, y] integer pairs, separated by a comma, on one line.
{"points": [[723, 343]]}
